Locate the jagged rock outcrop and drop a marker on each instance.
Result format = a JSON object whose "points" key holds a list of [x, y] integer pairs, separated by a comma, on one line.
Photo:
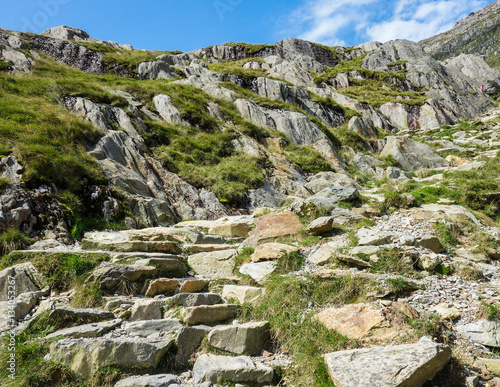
{"points": [[478, 70], [476, 34], [67, 33], [452, 95]]}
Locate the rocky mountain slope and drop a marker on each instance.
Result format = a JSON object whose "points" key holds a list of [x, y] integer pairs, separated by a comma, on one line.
{"points": [[477, 34], [286, 214]]}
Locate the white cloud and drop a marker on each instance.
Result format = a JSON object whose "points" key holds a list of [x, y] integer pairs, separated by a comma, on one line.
{"points": [[334, 22]]}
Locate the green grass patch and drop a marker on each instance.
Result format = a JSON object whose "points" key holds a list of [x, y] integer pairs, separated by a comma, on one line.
{"points": [[295, 330], [13, 239], [394, 261], [310, 160]]}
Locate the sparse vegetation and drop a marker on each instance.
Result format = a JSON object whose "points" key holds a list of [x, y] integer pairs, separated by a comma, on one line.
{"points": [[13, 239]]}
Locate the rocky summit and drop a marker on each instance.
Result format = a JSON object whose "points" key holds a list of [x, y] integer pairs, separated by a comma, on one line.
{"points": [[290, 214]]}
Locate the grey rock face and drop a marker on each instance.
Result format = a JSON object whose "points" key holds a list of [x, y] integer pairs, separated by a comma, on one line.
{"points": [[402, 365], [188, 341], [208, 314], [412, 155], [67, 33], [112, 277], [18, 61], [86, 356], [66, 316], [362, 126], [250, 338], [241, 369], [71, 54], [166, 109], [485, 332], [156, 70], [478, 71], [26, 277], [453, 95]]}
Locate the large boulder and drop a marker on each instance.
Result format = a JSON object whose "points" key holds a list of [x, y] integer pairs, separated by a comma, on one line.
{"points": [[478, 71], [250, 338], [274, 225], [402, 365], [86, 356], [241, 369], [215, 264], [21, 278], [260, 271], [411, 155], [362, 321], [67, 33], [118, 277]]}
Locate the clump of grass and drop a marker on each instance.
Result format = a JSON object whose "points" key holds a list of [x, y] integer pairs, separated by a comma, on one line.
{"points": [[427, 325], [63, 270], [490, 311], [294, 329], [448, 234], [3, 184], [310, 160], [88, 295], [394, 261], [290, 262], [243, 257], [13, 239]]}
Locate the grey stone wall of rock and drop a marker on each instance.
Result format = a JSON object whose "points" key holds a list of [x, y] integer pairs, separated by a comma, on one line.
{"points": [[71, 54]]}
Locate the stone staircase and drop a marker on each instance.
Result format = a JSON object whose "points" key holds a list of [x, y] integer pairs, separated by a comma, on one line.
{"points": [[159, 312]]}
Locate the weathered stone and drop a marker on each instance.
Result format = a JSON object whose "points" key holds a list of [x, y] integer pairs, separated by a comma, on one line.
{"points": [[411, 155], [320, 225], [162, 380], [216, 264], [275, 225], [198, 238], [162, 286], [322, 255], [446, 312], [492, 365], [116, 277], [65, 316], [165, 267], [428, 261], [431, 242], [402, 365], [324, 180], [146, 310], [369, 237], [452, 212], [362, 126], [23, 278], [210, 314], [146, 328], [188, 341], [352, 260], [486, 332], [243, 294], [231, 229], [193, 286], [167, 110], [469, 255], [339, 194], [250, 338], [87, 330], [196, 299], [86, 356], [272, 251], [360, 321], [241, 369], [259, 271]]}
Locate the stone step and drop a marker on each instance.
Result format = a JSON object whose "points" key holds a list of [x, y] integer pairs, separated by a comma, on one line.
{"points": [[201, 248], [133, 246], [128, 256]]}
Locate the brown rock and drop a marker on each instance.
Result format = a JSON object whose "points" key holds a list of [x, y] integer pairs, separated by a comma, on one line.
{"points": [[321, 225], [230, 230], [270, 251], [208, 314], [206, 248], [162, 286], [359, 321], [275, 225], [193, 286]]}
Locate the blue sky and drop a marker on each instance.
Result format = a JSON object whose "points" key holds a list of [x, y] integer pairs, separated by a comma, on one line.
{"points": [[190, 24]]}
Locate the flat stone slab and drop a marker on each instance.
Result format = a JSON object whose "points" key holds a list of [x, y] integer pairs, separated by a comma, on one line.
{"points": [[86, 356], [210, 314], [164, 380], [408, 365], [486, 332], [87, 330], [241, 369], [196, 299], [166, 267], [150, 327]]}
